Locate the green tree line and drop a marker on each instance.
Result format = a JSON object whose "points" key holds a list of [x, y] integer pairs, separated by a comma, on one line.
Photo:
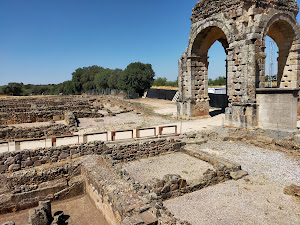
{"points": [[137, 77], [162, 81], [219, 81]]}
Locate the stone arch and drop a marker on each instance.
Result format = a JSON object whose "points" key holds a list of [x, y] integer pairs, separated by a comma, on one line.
{"points": [[284, 30], [206, 38], [244, 25], [203, 38], [207, 24]]}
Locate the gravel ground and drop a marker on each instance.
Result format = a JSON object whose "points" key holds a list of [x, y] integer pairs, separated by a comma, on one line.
{"points": [[273, 165], [256, 199], [186, 166], [160, 106], [237, 202]]}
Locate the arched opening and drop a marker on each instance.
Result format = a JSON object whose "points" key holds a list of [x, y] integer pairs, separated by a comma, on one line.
{"points": [[284, 36], [278, 107], [217, 79], [271, 63], [215, 39], [200, 63]]}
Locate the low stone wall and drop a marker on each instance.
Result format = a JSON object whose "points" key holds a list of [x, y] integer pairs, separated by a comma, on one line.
{"points": [[24, 189], [14, 161], [12, 133], [44, 109], [42, 116], [71, 120], [120, 198], [66, 174]]}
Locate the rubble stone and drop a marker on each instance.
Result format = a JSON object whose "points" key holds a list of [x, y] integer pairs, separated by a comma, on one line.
{"points": [[293, 190]]}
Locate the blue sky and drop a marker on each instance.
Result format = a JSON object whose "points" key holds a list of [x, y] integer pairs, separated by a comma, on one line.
{"points": [[43, 41]]}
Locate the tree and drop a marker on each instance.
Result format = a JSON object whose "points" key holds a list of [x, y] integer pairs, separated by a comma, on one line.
{"points": [[160, 81], [172, 83], [220, 81], [137, 77], [13, 89], [90, 85], [67, 88], [112, 80], [83, 78], [76, 79], [101, 79]]}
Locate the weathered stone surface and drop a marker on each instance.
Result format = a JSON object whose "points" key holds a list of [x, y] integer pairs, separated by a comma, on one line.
{"points": [[148, 218], [238, 174], [182, 183], [9, 223], [14, 167], [38, 216], [33, 132], [3, 168], [293, 190], [46, 205]]}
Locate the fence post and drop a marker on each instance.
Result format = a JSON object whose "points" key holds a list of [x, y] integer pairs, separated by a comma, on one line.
{"points": [[160, 129], [53, 140], [17, 145], [113, 135], [84, 138]]}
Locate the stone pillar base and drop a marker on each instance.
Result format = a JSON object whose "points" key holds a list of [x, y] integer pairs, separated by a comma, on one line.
{"points": [[277, 108], [190, 109], [241, 115]]}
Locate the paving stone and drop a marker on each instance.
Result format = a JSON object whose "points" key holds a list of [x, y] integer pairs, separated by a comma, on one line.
{"points": [[238, 174]]}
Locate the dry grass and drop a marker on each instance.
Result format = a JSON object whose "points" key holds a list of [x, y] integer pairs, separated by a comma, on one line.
{"points": [[165, 88]]}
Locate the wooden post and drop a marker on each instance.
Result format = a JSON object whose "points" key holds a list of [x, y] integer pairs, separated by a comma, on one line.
{"points": [[53, 140], [113, 135], [160, 129]]}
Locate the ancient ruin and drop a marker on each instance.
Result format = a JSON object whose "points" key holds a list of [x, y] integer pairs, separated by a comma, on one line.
{"points": [[241, 26], [114, 161]]}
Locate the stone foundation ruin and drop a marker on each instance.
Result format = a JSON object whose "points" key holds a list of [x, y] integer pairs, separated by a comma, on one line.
{"points": [[52, 110], [96, 169], [100, 171], [241, 27]]}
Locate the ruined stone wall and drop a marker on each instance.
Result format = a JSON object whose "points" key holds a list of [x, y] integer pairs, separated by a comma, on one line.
{"points": [[12, 133], [24, 189], [206, 8], [241, 27], [44, 109], [29, 110], [118, 196], [14, 161]]}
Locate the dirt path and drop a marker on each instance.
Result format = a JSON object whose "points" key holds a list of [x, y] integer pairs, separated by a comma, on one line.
{"points": [[80, 211]]}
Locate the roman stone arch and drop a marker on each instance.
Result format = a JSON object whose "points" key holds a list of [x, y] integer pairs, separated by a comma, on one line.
{"points": [[200, 27], [284, 30], [281, 29], [241, 26]]}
